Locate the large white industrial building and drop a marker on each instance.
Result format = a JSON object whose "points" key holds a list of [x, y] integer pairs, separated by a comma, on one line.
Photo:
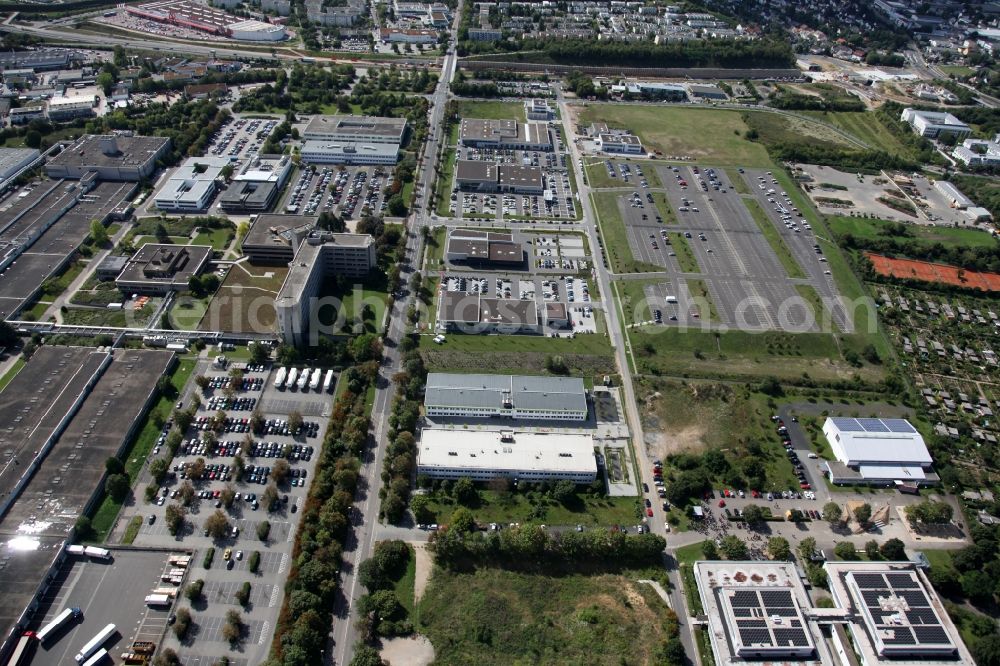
{"points": [[353, 140], [877, 451], [519, 397], [522, 456], [191, 186], [933, 124]]}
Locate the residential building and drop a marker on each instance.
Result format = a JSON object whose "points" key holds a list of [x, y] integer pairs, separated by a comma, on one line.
{"points": [[505, 396], [482, 455]]}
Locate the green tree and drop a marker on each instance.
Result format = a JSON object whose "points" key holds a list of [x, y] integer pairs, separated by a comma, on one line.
{"points": [[465, 492], [106, 82], [709, 550], [33, 139], [806, 549], [175, 518], [420, 506], [98, 233], [733, 548], [396, 206], [114, 466], [158, 469], [778, 548], [194, 590], [462, 521], [845, 551], [863, 513], [263, 530], [872, 551], [833, 513], [754, 514], [365, 655], [217, 525], [893, 550], [117, 487]]}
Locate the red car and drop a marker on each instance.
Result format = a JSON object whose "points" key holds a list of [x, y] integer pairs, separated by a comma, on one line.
{"points": [[722, 503], [755, 494], [805, 486], [649, 512]]}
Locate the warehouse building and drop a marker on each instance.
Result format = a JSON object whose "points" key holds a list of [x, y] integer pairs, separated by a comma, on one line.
{"points": [[759, 612], [504, 135], [933, 124], [877, 451], [482, 455], [159, 269], [893, 615], [477, 314], [274, 239], [483, 248], [517, 397], [109, 156], [192, 186], [707, 92], [14, 160], [487, 177], [322, 255]]}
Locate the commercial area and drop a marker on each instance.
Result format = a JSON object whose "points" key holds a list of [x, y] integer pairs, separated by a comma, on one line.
{"points": [[476, 176], [157, 269], [191, 187], [322, 255], [504, 134], [482, 455], [935, 124], [355, 140], [273, 239], [109, 156], [483, 248], [66, 413], [614, 141], [518, 397], [203, 18], [883, 613], [877, 451]]}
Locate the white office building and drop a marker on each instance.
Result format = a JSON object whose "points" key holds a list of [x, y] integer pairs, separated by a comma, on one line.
{"points": [[192, 186], [878, 451], [933, 124], [482, 455], [975, 153], [331, 152]]}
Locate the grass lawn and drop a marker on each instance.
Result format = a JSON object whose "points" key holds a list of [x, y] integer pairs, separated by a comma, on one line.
{"points": [[616, 244], [503, 507], [444, 183], [138, 451], [491, 110], [707, 135], [960, 71], [114, 318], [739, 184], [354, 299], [871, 229], [597, 175], [776, 128], [217, 238], [434, 248], [664, 208], [57, 285], [405, 586], [37, 310], [581, 344], [10, 374], [686, 557], [492, 616], [245, 301], [812, 297], [631, 296], [699, 291], [584, 355], [132, 531], [187, 312], [685, 256], [774, 239]]}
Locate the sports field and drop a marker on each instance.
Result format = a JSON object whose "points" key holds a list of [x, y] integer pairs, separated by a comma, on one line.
{"points": [[708, 136], [930, 272]]}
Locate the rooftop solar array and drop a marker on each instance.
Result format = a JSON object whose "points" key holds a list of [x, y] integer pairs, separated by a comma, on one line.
{"points": [[901, 615], [766, 619], [846, 424]]}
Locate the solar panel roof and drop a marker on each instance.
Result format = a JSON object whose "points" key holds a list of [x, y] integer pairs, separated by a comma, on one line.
{"points": [[900, 611], [847, 424]]}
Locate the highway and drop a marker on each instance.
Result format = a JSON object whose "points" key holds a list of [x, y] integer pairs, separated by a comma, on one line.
{"points": [[603, 277], [359, 544]]}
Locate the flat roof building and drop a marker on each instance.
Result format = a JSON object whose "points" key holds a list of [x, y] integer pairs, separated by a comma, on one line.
{"points": [[478, 314], [159, 269], [517, 397], [13, 160], [895, 616], [322, 255], [351, 153], [881, 451], [707, 92], [622, 144], [273, 239], [356, 129], [537, 108], [478, 176], [247, 196], [66, 108], [110, 156], [504, 134], [932, 124], [191, 186], [522, 456], [483, 248], [758, 612]]}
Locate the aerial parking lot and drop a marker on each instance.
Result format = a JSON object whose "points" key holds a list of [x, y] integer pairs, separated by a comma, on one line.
{"points": [[349, 192], [252, 484], [751, 257]]}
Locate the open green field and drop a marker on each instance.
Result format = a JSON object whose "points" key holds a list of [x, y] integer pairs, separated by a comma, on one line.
{"points": [[631, 295], [597, 345], [871, 229], [774, 239], [685, 255], [707, 135], [491, 617], [961, 71], [510, 507], [138, 452], [867, 127], [774, 128], [616, 245], [492, 110]]}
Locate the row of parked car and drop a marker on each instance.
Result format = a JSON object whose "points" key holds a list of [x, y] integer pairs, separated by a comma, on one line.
{"points": [[234, 404]]}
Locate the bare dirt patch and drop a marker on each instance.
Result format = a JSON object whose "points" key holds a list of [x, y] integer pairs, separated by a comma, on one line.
{"points": [[423, 572], [408, 651]]}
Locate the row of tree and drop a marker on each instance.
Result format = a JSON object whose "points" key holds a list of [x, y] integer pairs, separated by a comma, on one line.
{"points": [[402, 453]]}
